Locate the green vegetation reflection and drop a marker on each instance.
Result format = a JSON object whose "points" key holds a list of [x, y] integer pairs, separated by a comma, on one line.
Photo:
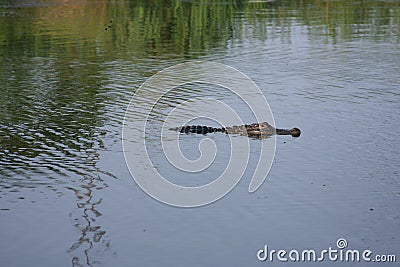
{"points": [[161, 28]]}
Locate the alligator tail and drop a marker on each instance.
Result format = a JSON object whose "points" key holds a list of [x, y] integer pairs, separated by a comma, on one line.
{"points": [[198, 129]]}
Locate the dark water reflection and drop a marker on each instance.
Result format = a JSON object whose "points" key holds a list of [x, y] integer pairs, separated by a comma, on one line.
{"points": [[67, 75]]}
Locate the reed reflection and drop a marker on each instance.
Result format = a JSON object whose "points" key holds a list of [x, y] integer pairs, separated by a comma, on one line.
{"points": [[93, 235]]}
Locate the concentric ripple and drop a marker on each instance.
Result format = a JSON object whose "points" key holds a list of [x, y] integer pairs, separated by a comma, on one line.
{"points": [[138, 126]]}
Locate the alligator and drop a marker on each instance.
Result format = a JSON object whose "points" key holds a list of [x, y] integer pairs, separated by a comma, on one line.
{"points": [[255, 130]]}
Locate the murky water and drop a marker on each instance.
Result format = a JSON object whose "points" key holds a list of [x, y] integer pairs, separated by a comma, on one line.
{"points": [[70, 68]]}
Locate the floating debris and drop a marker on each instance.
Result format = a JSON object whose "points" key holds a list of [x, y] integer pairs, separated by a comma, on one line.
{"points": [[109, 25]]}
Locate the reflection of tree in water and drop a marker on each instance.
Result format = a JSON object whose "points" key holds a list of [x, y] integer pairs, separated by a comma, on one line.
{"points": [[92, 234], [92, 241]]}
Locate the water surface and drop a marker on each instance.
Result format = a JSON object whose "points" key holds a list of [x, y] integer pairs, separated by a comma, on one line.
{"points": [[69, 70]]}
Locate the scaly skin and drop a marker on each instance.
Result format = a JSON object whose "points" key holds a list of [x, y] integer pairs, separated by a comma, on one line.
{"points": [[256, 130]]}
